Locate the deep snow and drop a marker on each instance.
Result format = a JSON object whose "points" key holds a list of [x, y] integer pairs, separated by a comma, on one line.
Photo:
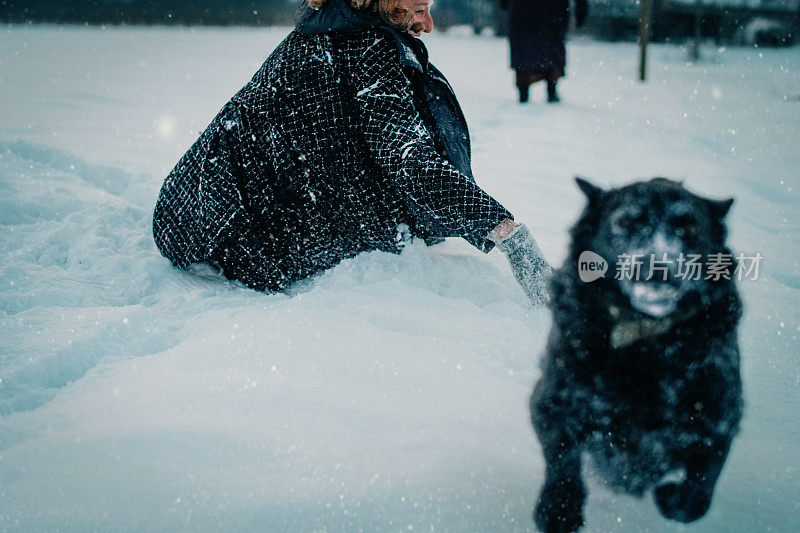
{"points": [[390, 392]]}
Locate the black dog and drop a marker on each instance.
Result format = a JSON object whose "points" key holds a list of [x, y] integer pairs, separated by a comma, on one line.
{"points": [[642, 375]]}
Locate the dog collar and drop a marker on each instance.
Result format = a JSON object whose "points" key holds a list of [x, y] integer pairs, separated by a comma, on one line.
{"points": [[627, 332]]}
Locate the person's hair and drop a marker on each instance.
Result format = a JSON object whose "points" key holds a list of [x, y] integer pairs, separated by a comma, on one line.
{"points": [[388, 11]]}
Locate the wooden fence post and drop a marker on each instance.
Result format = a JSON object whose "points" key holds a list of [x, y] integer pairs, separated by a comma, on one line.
{"points": [[645, 16]]}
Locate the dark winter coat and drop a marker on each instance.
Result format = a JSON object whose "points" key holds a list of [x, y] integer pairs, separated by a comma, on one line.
{"points": [[536, 31], [336, 140]]}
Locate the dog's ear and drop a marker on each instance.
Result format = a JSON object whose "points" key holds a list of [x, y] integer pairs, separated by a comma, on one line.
{"points": [[720, 208], [592, 192]]}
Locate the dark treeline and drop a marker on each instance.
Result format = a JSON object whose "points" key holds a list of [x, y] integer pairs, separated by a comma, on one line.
{"points": [[207, 12], [777, 24], [480, 13]]}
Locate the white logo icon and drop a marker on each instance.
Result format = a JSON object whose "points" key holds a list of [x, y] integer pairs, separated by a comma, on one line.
{"points": [[591, 266]]}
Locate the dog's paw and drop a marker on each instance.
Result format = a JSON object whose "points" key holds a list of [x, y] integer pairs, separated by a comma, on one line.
{"points": [[559, 509], [682, 502]]}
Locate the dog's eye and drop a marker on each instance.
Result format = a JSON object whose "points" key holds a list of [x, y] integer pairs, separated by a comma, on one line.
{"points": [[623, 222], [685, 224]]}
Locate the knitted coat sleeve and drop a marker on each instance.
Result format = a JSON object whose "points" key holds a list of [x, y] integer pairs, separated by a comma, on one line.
{"points": [[199, 208], [401, 144]]}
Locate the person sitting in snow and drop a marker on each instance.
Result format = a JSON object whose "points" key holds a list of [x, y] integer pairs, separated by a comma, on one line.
{"points": [[346, 140]]}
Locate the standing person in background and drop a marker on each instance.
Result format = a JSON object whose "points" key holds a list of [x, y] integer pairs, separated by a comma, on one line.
{"points": [[536, 32], [346, 140]]}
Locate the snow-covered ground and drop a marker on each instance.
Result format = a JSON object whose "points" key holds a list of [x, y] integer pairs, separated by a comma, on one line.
{"points": [[391, 392]]}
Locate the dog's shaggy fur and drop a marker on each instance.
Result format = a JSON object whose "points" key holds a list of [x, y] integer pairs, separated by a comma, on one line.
{"points": [[643, 377]]}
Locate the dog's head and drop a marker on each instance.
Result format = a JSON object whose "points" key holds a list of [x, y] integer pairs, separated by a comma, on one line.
{"points": [[654, 236]]}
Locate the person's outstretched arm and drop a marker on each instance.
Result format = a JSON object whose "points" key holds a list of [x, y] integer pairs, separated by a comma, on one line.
{"points": [[402, 145]]}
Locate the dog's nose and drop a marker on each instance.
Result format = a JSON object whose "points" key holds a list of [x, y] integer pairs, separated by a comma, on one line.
{"points": [[660, 258], [661, 244]]}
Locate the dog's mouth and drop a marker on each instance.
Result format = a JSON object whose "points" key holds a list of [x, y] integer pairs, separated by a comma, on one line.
{"points": [[654, 298]]}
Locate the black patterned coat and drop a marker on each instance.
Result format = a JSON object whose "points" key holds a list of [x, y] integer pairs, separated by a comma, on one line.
{"points": [[331, 145]]}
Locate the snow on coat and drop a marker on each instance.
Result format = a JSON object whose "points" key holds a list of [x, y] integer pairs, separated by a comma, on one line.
{"points": [[319, 157]]}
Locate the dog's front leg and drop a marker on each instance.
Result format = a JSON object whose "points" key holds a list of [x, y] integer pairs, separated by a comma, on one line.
{"points": [[689, 500], [560, 505]]}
